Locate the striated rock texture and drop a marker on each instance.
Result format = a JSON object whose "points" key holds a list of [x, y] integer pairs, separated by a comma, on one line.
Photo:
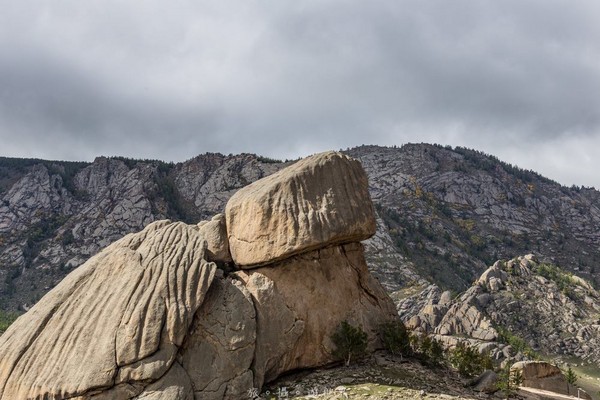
{"points": [[56, 215], [113, 324], [151, 316], [320, 199]]}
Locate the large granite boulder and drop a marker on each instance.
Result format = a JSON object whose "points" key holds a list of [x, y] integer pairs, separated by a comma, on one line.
{"points": [[545, 376], [112, 325], [152, 317], [220, 347], [320, 200], [301, 301]]}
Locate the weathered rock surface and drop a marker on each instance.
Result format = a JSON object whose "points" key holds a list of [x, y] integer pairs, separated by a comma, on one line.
{"points": [[322, 199], [487, 382], [55, 215], [220, 346], [151, 317], [301, 301], [114, 324], [546, 308], [545, 376], [174, 385], [454, 209], [215, 234]]}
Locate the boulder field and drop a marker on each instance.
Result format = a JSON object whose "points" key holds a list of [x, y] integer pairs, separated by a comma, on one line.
{"points": [[214, 310]]}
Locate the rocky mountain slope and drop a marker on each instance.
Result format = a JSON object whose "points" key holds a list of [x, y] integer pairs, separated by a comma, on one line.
{"points": [[518, 309], [452, 212], [443, 214]]}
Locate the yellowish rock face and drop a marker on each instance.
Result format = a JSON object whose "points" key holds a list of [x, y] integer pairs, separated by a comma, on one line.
{"points": [[151, 317], [318, 201], [113, 324]]}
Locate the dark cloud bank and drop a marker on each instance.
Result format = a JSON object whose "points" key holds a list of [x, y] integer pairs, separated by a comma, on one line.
{"points": [[518, 79]]}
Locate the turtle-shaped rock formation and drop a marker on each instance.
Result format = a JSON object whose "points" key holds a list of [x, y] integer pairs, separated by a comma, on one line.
{"points": [[153, 317]]}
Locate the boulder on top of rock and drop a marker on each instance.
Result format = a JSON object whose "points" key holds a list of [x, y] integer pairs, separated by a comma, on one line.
{"points": [[215, 234], [494, 277], [115, 324], [320, 200], [150, 317]]}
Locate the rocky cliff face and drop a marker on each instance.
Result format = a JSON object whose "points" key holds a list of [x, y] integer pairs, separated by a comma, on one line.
{"points": [[452, 212], [152, 316], [442, 214], [515, 308]]}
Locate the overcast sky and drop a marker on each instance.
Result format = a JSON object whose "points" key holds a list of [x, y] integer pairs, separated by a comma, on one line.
{"points": [[519, 79]]}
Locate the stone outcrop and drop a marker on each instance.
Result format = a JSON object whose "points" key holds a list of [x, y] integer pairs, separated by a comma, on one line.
{"points": [[113, 324], [548, 377], [215, 234], [486, 382], [321, 199], [220, 347], [153, 317], [296, 310], [538, 306]]}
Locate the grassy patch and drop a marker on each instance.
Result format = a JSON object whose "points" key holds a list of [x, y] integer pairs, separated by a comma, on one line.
{"points": [[6, 319]]}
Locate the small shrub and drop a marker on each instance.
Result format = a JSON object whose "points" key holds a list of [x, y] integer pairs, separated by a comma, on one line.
{"points": [[468, 361], [396, 338], [430, 351], [509, 380], [571, 378], [350, 342], [268, 160], [517, 343]]}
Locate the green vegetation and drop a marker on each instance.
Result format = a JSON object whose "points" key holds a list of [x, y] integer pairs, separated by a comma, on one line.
{"points": [[39, 232], [67, 171], [509, 380], [428, 350], [412, 238], [177, 208], [20, 164], [268, 160], [571, 377], [6, 319], [396, 338], [350, 342], [11, 169], [479, 160], [468, 361], [12, 273], [564, 280], [517, 343]]}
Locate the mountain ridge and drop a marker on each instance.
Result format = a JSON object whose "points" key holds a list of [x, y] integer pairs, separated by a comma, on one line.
{"points": [[444, 214]]}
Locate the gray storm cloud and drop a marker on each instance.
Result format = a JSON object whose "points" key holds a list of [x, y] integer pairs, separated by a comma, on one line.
{"points": [[518, 79]]}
